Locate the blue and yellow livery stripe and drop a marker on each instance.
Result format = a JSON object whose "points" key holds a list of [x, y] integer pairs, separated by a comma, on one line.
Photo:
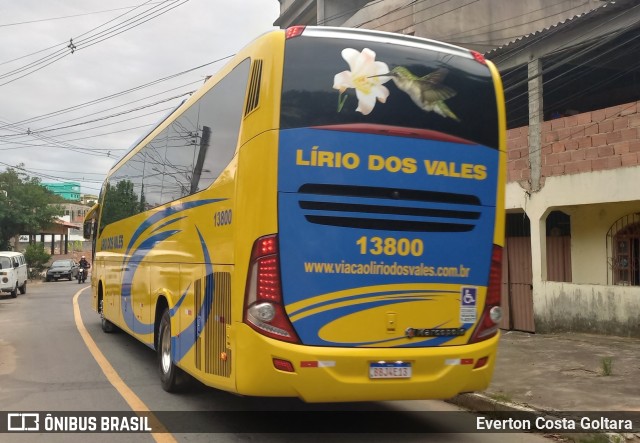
{"points": [[183, 340], [357, 317]]}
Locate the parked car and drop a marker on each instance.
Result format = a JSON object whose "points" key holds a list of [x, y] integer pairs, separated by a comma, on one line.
{"points": [[13, 273], [62, 269]]}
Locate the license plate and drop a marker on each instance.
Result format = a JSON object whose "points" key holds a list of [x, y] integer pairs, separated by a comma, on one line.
{"points": [[390, 370]]}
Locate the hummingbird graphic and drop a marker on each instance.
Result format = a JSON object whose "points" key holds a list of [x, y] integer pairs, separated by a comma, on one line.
{"points": [[427, 92]]}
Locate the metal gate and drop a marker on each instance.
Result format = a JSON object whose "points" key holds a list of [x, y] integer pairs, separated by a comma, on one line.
{"points": [[517, 278], [517, 275]]}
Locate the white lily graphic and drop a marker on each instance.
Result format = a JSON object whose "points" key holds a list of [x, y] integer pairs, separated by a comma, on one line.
{"points": [[365, 77]]}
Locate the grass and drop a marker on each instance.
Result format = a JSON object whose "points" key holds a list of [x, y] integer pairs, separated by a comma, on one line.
{"points": [[501, 396], [598, 438], [607, 366]]}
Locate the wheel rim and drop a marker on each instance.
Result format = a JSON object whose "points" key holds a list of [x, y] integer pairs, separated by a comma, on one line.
{"points": [[165, 350]]}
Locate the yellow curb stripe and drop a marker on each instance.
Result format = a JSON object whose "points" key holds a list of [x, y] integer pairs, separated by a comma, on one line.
{"points": [[116, 381]]}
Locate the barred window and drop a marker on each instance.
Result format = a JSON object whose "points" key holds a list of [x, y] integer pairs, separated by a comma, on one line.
{"points": [[623, 249]]}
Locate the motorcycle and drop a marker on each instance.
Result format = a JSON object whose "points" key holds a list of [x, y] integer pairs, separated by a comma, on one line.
{"points": [[82, 275]]}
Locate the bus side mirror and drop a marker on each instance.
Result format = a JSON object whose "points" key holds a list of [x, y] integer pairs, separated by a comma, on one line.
{"points": [[86, 231]]}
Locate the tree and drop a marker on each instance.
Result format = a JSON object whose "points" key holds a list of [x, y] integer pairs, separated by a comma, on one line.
{"points": [[121, 201], [37, 259], [26, 207]]}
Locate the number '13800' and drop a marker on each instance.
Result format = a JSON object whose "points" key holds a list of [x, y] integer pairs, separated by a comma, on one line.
{"points": [[222, 218], [391, 246]]}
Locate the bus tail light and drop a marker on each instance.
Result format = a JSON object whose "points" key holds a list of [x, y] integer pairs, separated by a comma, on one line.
{"points": [[283, 365], [481, 363], [492, 313], [264, 309], [294, 31], [478, 57]]}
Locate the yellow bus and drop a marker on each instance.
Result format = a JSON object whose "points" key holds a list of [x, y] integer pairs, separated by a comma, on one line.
{"points": [[323, 219]]}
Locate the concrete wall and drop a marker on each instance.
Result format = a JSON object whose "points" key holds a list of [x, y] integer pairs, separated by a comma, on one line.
{"points": [[613, 310], [589, 227], [336, 12], [481, 25], [594, 201], [285, 4]]}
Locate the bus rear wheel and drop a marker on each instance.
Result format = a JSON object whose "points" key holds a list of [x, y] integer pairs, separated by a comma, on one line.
{"points": [[168, 370], [107, 326]]}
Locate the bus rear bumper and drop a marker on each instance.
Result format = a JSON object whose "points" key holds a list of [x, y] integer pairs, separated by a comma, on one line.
{"points": [[325, 374]]}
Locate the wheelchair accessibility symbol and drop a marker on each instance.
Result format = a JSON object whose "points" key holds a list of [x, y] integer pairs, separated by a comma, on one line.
{"points": [[468, 301], [469, 296]]}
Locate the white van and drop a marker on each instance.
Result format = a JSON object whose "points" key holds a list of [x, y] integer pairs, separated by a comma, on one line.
{"points": [[13, 273]]}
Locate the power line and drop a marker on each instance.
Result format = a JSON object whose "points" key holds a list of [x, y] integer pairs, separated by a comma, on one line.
{"points": [[459, 34], [79, 43], [593, 86], [111, 96], [52, 127], [25, 144], [110, 116], [351, 12], [439, 15], [122, 28], [63, 144], [65, 44], [610, 54], [67, 172], [583, 52], [164, 110], [413, 13], [50, 177], [508, 54], [399, 8], [66, 16], [74, 148], [60, 53]]}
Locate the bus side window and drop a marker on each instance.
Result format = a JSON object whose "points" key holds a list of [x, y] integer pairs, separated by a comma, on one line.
{"points": [[221, 114]]}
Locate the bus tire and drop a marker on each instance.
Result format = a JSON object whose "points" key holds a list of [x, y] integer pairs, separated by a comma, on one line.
{"points": [[107, 326], [14, 292], [168, 370], [23, 288]]}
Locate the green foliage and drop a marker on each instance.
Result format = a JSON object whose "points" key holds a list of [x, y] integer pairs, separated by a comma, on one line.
{"points": [[596, 438], [501, 397], [37, 259], [25, 206], [607, 366], [121, 201]]}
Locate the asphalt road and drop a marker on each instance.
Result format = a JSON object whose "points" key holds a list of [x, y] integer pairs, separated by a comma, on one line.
{"points": [[47, 366]]}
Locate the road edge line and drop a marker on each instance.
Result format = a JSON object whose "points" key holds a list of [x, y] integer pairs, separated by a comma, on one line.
{"points": [[134, 402]]}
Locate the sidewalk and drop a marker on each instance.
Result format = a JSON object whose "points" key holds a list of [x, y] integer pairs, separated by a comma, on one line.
{"points": [[560, 373]]}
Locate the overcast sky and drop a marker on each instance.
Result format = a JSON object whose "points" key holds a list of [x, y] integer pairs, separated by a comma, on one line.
{"points": [[63, 114]]}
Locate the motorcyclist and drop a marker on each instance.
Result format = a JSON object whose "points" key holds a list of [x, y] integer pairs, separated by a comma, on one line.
{"points": [[84, 268]]}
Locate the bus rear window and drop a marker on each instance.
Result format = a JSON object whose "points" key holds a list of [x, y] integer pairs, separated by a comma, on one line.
{"points": [[334, 81]]}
